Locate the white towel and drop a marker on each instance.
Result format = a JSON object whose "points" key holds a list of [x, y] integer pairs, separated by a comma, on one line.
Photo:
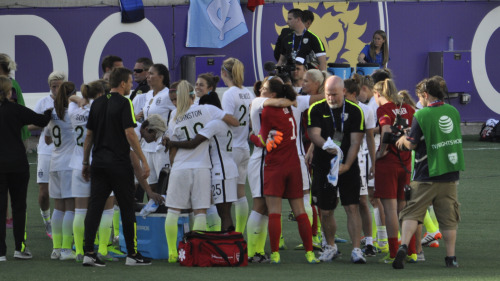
{"points": [[491, 122], [333, 176], [149, 208]]}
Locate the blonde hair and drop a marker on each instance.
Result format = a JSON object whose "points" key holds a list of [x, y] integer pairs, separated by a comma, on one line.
{"points": [[5, 87], [156, 123], [184, 97], [57, 76], [7, 64], [235, 70], [318, 76], [406, 98], [388, 90]]}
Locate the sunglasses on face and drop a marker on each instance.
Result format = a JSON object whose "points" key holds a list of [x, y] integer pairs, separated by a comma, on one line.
{"points": [[138, 70]]}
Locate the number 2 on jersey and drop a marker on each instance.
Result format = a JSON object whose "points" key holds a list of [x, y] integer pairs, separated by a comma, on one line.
{"points": [[244, 109]]}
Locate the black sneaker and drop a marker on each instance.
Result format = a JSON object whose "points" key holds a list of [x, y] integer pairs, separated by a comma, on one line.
{"points": [[398, 262], [369, 251], [451, 261], [138, 259], [259, 258], [92, 260]]}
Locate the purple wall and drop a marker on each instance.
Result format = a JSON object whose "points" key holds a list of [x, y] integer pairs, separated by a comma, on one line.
{"points": [[414, 30]]}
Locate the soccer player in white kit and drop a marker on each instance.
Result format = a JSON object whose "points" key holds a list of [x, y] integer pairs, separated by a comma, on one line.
{"points": [[189, 183], [236, 101], [157, 102], [44, 150], [367, 150], [61, 132], [78, 111]]}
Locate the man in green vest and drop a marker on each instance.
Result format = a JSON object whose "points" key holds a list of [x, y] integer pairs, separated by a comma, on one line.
{"points": [[436, 138]]}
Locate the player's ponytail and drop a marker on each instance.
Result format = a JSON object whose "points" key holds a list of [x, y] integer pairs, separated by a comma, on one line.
{"points": [[66, 90], [92, 90], [235, 71]]}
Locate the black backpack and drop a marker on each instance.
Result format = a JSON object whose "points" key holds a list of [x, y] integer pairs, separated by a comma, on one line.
{"points": [[489, 133]]}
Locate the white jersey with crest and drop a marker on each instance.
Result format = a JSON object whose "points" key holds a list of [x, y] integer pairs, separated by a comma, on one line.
{"points": [[185, 127], [221, 137], [64, 142], [159, 104], [78, 117], [236, 102], [302, 105], [42, 105]]}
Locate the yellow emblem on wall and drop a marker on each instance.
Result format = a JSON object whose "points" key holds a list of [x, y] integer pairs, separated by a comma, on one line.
{"points": [[336, 28]]}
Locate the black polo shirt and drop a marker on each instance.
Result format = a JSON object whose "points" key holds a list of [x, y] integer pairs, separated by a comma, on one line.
{"points": [[109, 116], [303, 44], [320, 115], [142, 88]]}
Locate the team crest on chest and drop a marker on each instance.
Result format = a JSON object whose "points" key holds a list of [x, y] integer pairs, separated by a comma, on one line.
{"points": [[158, 101], [345, 116], [305, 40], [453, 157]]}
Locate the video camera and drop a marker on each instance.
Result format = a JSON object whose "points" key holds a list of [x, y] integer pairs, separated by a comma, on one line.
{"points": [[397, 130], [281, 70]]}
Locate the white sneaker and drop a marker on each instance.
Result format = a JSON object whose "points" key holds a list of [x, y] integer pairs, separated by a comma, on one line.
{"points": [[323, 240], [67, 254], [56, 254], [357, 256], [3, 258], [329, 253], [24, 255]]}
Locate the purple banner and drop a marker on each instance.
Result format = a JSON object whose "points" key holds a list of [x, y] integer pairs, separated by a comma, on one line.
{"points": [[75, 40]]}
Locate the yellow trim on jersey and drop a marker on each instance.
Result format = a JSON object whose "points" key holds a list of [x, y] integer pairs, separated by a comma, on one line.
{"points": [[309, 111], [132, 109], [361, 111], [261, 140], [320, 42]]}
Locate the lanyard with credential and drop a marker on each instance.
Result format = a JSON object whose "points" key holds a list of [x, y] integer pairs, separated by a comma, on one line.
{"points": [[341, 118], [294, 53]]}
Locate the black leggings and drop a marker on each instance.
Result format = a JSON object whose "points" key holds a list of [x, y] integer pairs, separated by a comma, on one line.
{"points": [[15, 184]]}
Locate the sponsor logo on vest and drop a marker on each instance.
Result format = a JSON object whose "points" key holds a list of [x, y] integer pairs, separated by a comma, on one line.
{"points": [[445, 124], [453, 158]]}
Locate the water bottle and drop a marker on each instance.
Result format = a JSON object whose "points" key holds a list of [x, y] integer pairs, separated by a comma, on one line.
{"points": [[450, 43]]}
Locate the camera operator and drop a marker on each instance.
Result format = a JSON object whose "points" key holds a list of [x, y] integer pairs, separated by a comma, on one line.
{"points": [[301, 42], [392, 167], [437, 140]]}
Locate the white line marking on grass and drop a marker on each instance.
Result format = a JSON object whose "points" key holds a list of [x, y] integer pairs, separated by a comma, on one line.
{"points": [[481, 148]]}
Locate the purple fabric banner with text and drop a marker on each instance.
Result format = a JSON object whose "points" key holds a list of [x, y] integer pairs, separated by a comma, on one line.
{"points": [[75, 40]]}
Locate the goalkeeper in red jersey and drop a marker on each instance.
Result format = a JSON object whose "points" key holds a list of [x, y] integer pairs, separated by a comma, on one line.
{"points": [[282, 175]]}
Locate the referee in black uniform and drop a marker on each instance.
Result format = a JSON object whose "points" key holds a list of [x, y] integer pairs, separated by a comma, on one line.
{"points": [[110, 134]]}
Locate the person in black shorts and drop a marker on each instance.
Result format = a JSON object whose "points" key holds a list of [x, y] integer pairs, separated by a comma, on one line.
{"points": [[110, 134], [342, 121], [301, 43]]}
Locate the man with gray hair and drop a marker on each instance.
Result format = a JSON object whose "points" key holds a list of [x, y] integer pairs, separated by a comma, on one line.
{"points": [[56, 78], [342, 121]]}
